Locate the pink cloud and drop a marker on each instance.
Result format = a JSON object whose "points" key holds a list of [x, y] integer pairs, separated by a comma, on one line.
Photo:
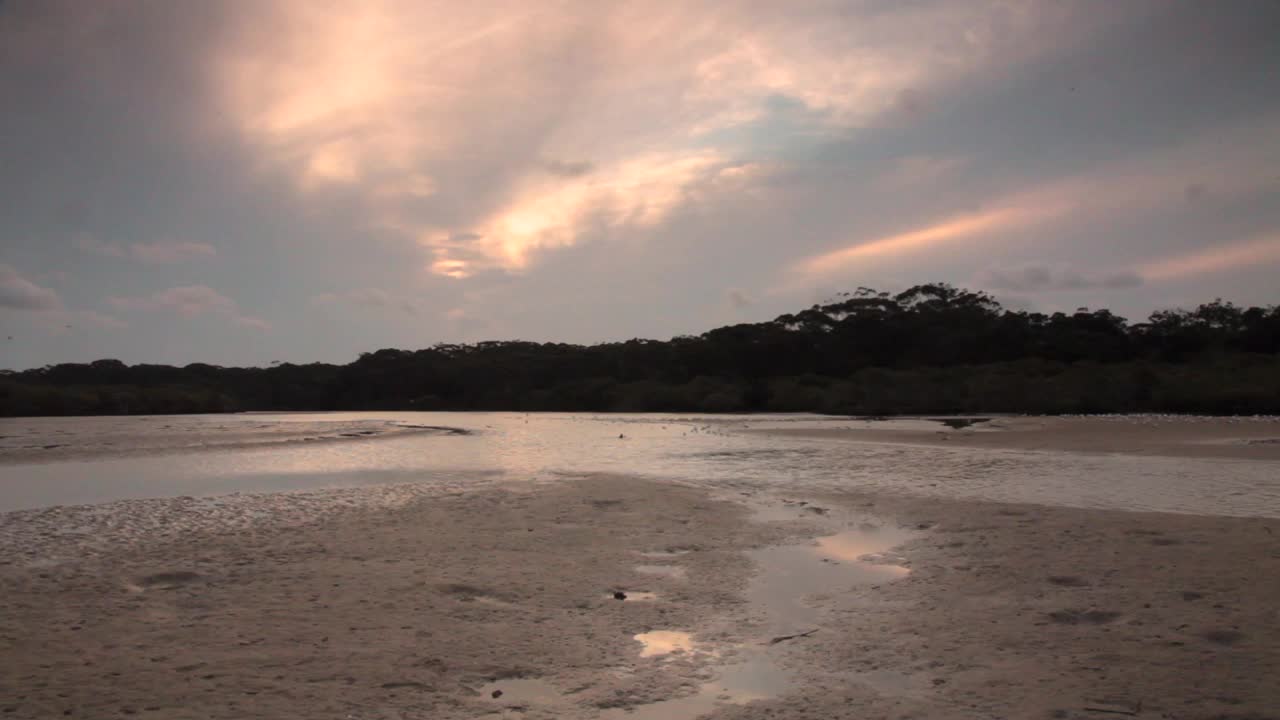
{"points": [[19, 293]]}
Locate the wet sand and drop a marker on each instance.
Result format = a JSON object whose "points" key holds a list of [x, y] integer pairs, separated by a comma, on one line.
{"points": [[422, 604], [1171, 436], [58, 439]]}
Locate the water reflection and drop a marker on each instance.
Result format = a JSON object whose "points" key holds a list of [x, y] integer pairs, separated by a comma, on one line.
{"points": [[754, 679], [789, 574], [520, 692], [671, 571], [788, 577], [707, 449], [664, 642]]}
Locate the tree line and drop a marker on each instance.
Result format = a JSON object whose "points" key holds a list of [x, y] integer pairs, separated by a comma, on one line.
{"points": [[931, 349]]}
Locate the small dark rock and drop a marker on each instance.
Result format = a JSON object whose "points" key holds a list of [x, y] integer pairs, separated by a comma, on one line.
{"points": [[1067, 581], [496, 694], [619, 595], [1224, 637]]}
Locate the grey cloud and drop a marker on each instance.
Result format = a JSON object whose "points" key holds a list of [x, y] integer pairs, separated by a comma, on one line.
{"points": [[19, 293], [119, 115], [369, 298], [738, 300], [167, 253], [157, 253], [1032, 278], [188, 302], [94, 246], [1195, 192]]}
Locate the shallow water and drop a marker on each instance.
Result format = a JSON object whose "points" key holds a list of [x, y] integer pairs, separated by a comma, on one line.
{"points": [[787, 580], [788, 577], [104, 459]]}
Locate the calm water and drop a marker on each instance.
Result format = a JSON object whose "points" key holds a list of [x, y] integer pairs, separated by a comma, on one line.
{"points": [[101, 459]]}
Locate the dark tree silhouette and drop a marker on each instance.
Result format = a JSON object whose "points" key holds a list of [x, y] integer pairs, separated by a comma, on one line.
{"points": [[931, 348]]}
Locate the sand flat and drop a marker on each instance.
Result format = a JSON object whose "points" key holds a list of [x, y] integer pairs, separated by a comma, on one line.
{"points": [[409, 611], [1192, 437]]}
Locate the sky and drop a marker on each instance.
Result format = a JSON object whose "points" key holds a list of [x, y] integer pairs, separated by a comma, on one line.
{"points": [[240, 182]]}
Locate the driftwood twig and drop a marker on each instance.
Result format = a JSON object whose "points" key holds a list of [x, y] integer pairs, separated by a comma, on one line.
{"points": [[784, 638]]}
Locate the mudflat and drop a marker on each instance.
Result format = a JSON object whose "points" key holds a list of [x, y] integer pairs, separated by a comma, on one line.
{"points": [[1195, 437], [502, 602]]}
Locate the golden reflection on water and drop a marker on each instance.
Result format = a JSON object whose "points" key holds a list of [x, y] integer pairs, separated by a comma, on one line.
{"points": [[860, 546], [664, 642]]}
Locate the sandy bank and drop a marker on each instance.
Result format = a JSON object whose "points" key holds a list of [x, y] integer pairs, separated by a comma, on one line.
{"points": [[415, 609], [1241, 438], [53, 439]]}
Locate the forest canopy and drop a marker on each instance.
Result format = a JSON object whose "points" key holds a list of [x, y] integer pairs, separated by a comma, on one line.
{"points": [[930, 349]]}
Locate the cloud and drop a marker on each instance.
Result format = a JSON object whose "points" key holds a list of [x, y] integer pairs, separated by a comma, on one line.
{"points": [[168, 253], [641, 191], [464, 124], [369, 298], [255, 323], [94, 246], [1236, 162], [19, 293], [62, 322], [1034, 277], [948, 230], [569, 169], [189, 301], [45, 309], [157, 253], [912, 171], [1260, 250], [738, 299], [565, 154]]}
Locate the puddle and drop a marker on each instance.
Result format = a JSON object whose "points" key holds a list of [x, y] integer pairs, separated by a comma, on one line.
{"points": [[787, 576], [779, 513], [664, 642], [790, 573], [671, 571], [756, 679], [519, 693]]}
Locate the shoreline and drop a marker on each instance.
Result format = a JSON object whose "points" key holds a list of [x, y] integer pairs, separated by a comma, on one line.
{"points": [[383, 604], [1188, 436], [312, 436]]}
